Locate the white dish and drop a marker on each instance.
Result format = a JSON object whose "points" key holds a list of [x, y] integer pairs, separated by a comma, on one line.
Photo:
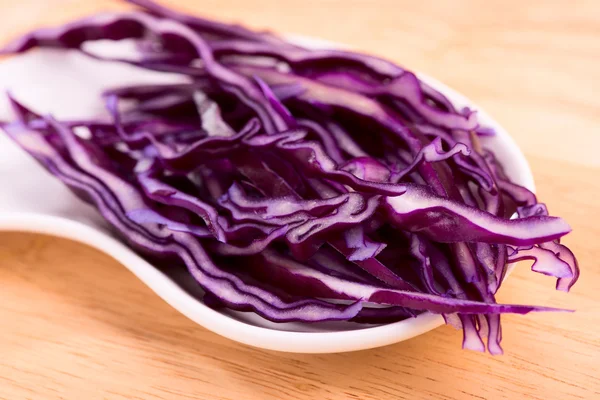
{"points": [[67, 85]]}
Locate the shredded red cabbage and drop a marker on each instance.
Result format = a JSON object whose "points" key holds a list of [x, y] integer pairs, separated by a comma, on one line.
{"points": [[302, 185]]}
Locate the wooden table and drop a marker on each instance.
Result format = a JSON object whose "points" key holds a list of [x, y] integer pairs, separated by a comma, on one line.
{"points": [[76, 325]]}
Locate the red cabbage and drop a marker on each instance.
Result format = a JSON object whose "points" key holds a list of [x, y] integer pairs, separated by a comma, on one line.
{"points": [[290, 180]]}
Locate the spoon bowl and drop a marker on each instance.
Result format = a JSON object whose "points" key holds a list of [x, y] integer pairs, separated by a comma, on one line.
{"points": [[68, 85]]}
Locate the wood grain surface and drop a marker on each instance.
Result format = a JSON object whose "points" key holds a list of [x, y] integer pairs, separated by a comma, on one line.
{"points": [[74, 324]]}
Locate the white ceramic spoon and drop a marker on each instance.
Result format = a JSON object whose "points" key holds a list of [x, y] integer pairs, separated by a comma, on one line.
{"points": [[68, 85]]}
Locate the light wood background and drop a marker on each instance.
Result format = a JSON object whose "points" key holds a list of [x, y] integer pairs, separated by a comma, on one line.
{"points": [[74, 324]]}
